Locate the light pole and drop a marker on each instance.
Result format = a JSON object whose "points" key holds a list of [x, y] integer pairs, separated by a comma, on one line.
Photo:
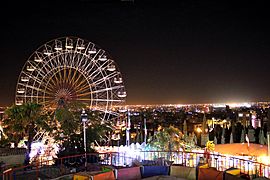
{"points": [[128, 129], [128, 124], [145, 130], [84, 119]]}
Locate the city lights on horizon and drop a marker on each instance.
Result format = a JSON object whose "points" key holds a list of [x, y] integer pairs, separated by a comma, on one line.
{"points": [[230, 104], [215, 105]]}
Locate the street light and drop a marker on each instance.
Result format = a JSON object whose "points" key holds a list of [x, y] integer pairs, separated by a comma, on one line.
{"points": [[145, 129], [84, 119], [128, 124], [128, 129], [268, 132]]}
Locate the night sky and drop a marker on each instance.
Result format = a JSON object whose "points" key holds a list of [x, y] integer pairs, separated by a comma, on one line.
{"points": [[167, 51]]}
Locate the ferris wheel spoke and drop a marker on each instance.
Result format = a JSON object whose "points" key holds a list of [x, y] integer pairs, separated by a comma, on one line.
{"points": [[81, 78], [99, 53], [41, 73], [31, 64], [57, 59], [69, 58], [82, 89], [85, 99], [89, 65], [59, 74], [48, 102], [32, 87], [61, 59], [63, 75], [98, 75], [49, 92], [49, 65], [50, 76], [68, 76], [82, 59], [82, 85], [55, 79], [32, 77], [97, 71], [108, 77], [101, 100], [100, 80], [108, 100], [95, 67], [49, 86], [51, 83], [75, 54], [44, 70], [107, 89], [84, 94], [42, 86], [35, 96], [76, 76]]}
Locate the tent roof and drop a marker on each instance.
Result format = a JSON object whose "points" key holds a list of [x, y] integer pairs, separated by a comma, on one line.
{"points": [[241, 149]]}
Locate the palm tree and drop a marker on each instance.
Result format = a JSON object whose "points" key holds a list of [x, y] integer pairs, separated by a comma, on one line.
{"points": [[98, 129], [167, 139], [69, 128], [12, 126], [25, 121]]}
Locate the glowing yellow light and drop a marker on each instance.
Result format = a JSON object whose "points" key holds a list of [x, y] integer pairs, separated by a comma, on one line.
{"points": [[199, 130], [264, 160], [133, 135]]}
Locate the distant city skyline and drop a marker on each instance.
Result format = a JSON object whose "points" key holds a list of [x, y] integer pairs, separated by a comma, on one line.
{"points": [[182, 52]]}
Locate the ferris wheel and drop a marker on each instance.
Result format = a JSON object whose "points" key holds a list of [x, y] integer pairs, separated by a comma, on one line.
{"points": [[71, 69]]}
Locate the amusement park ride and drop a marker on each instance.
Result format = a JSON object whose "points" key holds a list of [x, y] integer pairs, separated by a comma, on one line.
{"points": [[70, 69]]}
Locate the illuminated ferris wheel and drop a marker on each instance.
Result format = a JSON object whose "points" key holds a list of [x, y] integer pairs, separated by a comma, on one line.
{"points": [[68, 69]]}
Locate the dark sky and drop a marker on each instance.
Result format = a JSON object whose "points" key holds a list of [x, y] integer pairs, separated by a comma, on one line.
{"points": [[168, 51]]}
